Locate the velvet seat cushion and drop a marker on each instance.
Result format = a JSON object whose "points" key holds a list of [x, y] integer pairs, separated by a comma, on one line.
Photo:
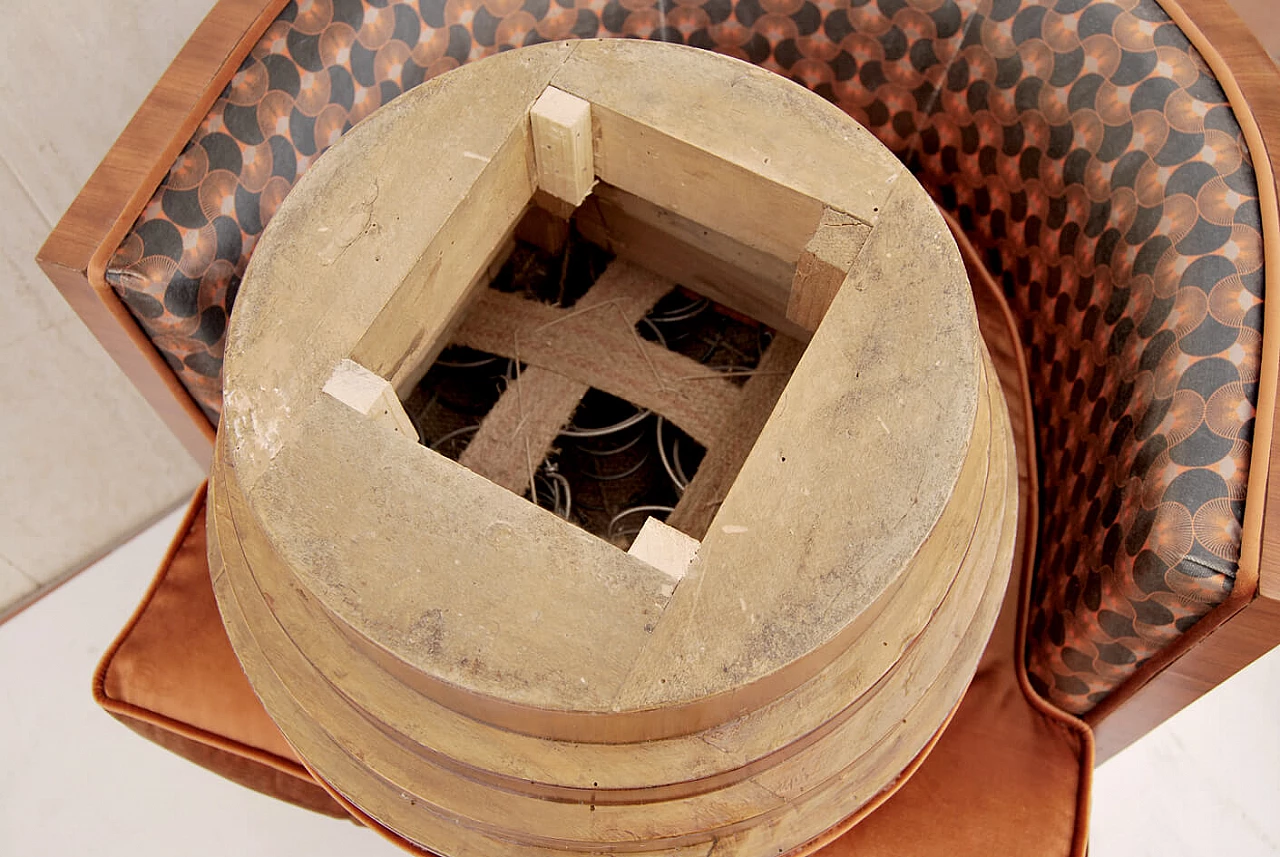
{"points": [[172, 676], [1010, 775]]}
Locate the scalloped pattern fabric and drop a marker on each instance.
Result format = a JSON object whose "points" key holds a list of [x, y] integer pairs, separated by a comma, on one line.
{"points": [[1084, 145]]}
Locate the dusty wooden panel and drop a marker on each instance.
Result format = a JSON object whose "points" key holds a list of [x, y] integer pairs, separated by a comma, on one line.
{"points": [[649, 824], [806, 709], [697, 184], [416, 322], [894, 423], [296, 331], [468, 582], [727, 271], [956, 672], [765, 181], [713, 755], [345, 773]]}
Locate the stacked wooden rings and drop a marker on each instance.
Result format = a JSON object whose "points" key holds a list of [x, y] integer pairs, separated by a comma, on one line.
{"points": [[482, 678]]}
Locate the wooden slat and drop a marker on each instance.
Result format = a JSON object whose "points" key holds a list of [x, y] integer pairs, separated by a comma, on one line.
{"points": [[729, 272]]}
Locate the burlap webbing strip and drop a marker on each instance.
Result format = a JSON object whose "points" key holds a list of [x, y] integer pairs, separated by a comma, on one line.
{"points": [[517, 434], [725, 458], [595, 343]]}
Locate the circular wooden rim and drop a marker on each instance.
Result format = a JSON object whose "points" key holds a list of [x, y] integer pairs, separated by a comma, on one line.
{"points": [[474, 672], [652, 684]]}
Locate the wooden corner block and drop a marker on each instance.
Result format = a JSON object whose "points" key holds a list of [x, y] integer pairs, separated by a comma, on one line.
{"points": [[561, 125], [665, 548], [823, 266], [370, 394]]}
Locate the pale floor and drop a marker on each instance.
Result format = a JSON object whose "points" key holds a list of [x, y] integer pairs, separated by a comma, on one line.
{"points": [[84, 462], [75, 782]]}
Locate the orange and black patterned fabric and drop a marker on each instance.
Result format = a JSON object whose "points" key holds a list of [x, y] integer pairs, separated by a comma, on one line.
{"points": [[1083, 144]]}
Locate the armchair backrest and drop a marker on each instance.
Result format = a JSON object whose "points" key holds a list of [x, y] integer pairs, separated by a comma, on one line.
{"points": [[1086, 147]]}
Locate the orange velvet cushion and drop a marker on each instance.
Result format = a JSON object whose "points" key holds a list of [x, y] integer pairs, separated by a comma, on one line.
{"points": [[172, 676], [1009, 776]]}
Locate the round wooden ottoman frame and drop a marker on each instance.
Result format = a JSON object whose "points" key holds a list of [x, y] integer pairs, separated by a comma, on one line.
{"points": [[483, 678]]}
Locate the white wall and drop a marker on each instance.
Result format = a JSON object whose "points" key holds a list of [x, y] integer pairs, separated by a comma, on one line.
{"points": [[84, 462]]}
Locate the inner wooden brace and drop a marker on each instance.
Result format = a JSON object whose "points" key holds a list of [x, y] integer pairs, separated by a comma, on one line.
{"points": [[595, 344]]}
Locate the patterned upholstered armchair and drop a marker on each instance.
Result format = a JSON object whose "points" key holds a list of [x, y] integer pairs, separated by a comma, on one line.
{"points": [[1104, 166]]}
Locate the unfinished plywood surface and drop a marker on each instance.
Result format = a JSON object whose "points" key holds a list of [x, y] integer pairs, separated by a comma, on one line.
{"points": [[894, 421], [719, 753], [771, 176], [732, 273], [391, 221], [457, 661]]}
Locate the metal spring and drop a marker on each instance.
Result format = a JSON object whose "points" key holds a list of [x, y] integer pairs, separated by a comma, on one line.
{"points": [[560, 490], [614, 532], [679, 483]]}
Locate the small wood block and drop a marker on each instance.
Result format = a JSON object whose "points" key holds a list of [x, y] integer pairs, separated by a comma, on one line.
{"points": [[665, 548], [823, 265], [369, 394], [562, 145]]}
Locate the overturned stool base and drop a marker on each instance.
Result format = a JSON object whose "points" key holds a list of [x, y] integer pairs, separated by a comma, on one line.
{"points": [[482, 677]]}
